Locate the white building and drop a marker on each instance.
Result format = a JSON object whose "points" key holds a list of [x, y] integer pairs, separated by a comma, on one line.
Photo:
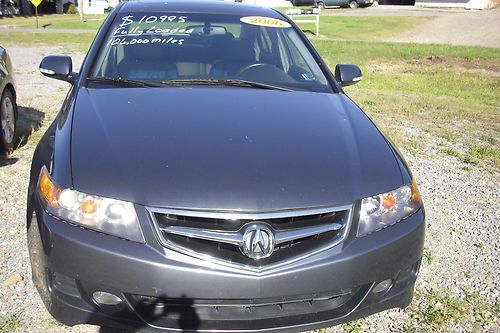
{"points": [[94, 6], [465, 4], [269, 3]]}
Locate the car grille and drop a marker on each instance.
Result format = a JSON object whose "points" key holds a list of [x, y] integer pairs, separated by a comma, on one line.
{"points": [[204, 234], [255, 314]]}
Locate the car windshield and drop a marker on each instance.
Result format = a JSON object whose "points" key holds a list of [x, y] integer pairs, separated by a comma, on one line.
{"points": [[199, 48]]}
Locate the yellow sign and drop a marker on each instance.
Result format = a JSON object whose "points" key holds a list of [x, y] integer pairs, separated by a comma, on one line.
{"points": [[36, 2], [265, 21]]}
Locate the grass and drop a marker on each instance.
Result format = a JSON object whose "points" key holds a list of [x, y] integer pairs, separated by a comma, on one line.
{"points": [[362, 27], [10, 323], [429, 258], [442, 309], [353, 327], [363, 52], [55, 21], [485, 153], [468, 157], [438, 310]]}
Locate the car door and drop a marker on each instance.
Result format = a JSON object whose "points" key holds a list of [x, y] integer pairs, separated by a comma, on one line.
{"points": [[335, 2]]}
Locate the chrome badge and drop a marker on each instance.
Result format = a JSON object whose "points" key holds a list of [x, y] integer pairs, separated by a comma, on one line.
{"points": [[258, 241]]}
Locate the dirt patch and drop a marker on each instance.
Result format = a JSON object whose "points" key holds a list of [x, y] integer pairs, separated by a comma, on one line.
{"points": [[485, 67], [488, 67], [391, 67]]}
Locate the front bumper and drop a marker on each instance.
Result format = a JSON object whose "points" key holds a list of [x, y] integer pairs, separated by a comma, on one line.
{"points": [[167, 291]]}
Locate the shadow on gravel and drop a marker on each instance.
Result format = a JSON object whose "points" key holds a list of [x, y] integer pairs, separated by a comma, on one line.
{"points": [[4, 161], [29, 121]]}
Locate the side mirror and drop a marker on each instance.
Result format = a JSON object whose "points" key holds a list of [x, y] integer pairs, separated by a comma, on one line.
{"points": [[58, 67], [348, 75]]}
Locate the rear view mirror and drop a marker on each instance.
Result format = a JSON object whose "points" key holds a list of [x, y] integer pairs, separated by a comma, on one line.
{"points": [[58, 67], [348, 75], [203, 30]]}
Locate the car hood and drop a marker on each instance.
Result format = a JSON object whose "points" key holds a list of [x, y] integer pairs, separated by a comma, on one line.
{"points": [[227, 148]]}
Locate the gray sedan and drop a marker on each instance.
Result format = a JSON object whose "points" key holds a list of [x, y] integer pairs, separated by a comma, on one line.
{"points": [[343, 3], [8, 107]]}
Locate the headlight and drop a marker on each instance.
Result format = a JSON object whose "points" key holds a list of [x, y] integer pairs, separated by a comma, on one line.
{"points": [[110, 216], [385, 209]]}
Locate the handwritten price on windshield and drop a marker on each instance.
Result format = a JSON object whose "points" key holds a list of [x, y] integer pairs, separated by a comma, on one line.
{"points": [[129, 19]]}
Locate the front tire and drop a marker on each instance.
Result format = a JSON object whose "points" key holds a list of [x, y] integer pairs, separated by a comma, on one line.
{"points": [[321, 5], [353, 4], [8, 121]]}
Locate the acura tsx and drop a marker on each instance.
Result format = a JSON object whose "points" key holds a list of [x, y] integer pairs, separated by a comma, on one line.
{"points": [[207, 172]]}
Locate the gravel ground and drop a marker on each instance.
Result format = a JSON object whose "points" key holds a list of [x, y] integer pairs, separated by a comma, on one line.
{"points": [[479, 28], [462, 237]]}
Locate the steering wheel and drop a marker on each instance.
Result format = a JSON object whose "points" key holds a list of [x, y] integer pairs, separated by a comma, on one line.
{"points": [[254, 67]]}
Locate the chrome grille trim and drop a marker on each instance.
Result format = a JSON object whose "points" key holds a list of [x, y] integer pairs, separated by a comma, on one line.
{"points": [[240, 215], [230, 238], [236, 238]]}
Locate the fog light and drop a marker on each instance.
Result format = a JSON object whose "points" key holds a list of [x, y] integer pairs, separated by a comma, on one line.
{"points": [[382, 286], [104, 298]]}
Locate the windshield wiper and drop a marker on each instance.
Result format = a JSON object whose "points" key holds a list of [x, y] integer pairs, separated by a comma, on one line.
{"points": [[123, 82], [232, 82], [138, 83]]}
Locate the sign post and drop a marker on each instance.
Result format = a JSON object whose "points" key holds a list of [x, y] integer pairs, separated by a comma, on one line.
{"points": [[297, 12], [36, 3]]}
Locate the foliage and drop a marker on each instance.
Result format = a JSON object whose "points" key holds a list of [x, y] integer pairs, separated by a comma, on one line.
{"points": [[10, 323], [70, 8]]}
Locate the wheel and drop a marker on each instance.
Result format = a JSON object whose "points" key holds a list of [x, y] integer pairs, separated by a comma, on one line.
{"points": [[250, 68], [353, 4], [321, 5], [265, 73], [8, 115]]}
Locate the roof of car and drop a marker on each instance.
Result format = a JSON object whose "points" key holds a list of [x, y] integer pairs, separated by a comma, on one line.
{"points": [[199, 6]]}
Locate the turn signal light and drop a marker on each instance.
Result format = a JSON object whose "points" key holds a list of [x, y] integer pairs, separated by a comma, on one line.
{"points": [[88, 207], [389, 201], [415, 193], [50, 192]]}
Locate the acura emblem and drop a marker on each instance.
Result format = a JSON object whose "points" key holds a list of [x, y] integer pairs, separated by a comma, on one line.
{"points": [[258, 241]]}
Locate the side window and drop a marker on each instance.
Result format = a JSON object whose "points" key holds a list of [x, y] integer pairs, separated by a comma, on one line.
{"points": [[297, 58], [303, 66]]}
